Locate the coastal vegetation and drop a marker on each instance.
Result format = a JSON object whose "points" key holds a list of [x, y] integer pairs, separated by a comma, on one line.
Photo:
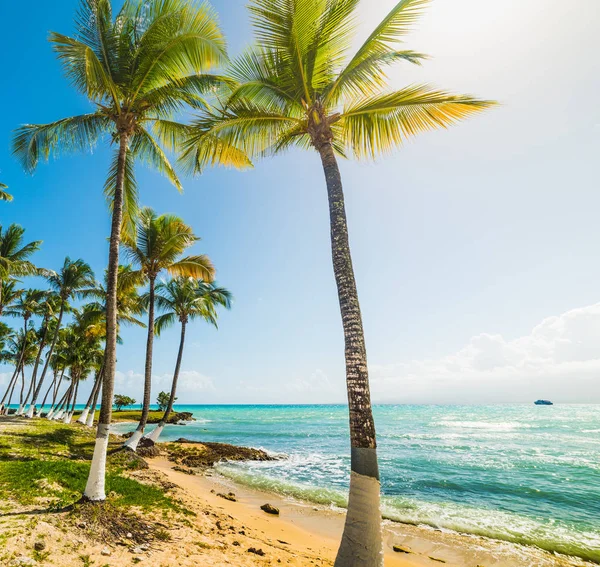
{"points": [[144, 69]]}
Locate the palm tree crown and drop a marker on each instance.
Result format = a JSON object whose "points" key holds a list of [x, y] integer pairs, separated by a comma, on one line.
{"points": [[301, 88], [138, 68], [160, 241], [14, 254], [5, 195], [186, 299]]}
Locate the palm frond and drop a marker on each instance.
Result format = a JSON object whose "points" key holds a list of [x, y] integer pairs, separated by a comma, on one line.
{"points": [[380, 123], [78, 133]]}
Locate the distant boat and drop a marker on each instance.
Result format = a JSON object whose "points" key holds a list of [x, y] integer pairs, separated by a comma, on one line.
{"points": [[543, 403]]}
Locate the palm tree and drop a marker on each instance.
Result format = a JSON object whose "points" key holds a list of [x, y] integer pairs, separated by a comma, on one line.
{"points": [[74, 276], [4, 195], [159, 244], [14, 256], [7, 336], [129, 307], [301, 88], [138, 69], [183, 300], [29, 304]]}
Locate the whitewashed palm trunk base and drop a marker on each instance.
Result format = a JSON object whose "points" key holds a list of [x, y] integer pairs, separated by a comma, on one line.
{"points": [[20, 410], [67, 418], [133, 441], [29, 413], [94, 489], [361, 544], [83, 417], [58, 415], [90, 418], [155, 433]]}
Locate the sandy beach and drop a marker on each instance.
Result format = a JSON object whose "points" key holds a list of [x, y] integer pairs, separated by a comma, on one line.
{"points": [[312, 532]]}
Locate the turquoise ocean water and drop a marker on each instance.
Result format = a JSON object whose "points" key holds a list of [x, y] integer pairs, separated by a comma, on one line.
{"points": [[520, 473]]}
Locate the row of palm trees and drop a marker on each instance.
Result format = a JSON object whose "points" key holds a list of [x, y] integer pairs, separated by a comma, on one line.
{"points": [[75, 351], [147, 66]]}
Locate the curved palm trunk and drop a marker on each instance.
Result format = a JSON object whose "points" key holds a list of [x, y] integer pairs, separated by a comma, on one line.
{"points": [[13, 388], [362, 542], [86, 409], [54, 395], [51, 387], [48, 357], [64, 403], [159, 428], [90, 418], [134, 440], [69, 413], [55, 411], [94, 489]]}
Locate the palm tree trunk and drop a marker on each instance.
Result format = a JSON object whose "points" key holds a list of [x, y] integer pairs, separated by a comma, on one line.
{"points": [[10, 384], [20, 410], [55, 394], [13, 387], [159, 428], [90, 418], [86, 409], [133, 441], [95, 486], [69, 413], [29, 412], [48, 357], [362, 542], [55, 411], [52, 385]]}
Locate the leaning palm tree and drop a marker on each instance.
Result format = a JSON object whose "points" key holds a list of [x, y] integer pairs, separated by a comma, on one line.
{"points": [[138, 69], [303, 88], [183, 300], [9, 293], [15, 255], [73, 277], [5, 195], [158, 246]]}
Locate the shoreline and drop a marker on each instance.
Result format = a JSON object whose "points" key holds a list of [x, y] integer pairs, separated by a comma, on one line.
{"points": [[316, 528]]}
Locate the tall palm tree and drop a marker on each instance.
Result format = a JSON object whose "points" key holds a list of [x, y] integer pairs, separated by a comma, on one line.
{"points": [[303, 88], [138, 69], [73, 277], [14, 256], [159, 244], [7, 335], [4, 195], [183, 300]]}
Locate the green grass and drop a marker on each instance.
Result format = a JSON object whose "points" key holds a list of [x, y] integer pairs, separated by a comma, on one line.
{"points": [[45, 459]]}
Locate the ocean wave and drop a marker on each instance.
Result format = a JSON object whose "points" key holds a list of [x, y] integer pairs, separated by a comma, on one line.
{"points": [[495, 426], [549, 535]]}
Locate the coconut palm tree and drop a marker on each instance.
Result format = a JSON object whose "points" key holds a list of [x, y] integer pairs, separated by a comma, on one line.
{"points": [[14, 256], [303, 88], [138, 69], [4, 195], [72, 278], [129, 307], [158, 246], [183, 300]]}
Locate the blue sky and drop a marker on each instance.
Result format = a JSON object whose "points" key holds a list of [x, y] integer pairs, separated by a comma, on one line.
{"points": [[465, 242]]}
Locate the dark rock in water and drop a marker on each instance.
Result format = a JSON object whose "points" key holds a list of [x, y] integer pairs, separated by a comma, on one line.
{"points": [[269, 509], [11, 411], [181, 416], [400, 549], [543, 403], [256, 551], [229, 496]]}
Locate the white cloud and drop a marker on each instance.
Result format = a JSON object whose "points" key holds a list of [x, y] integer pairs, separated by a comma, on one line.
{"points": [[559, 359]]}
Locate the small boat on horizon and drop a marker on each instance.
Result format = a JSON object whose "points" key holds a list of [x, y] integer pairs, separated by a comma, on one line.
{"points": [[543, 403]]}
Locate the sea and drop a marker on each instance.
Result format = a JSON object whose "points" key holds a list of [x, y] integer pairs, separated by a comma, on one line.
{"points": [[520, 473]]}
